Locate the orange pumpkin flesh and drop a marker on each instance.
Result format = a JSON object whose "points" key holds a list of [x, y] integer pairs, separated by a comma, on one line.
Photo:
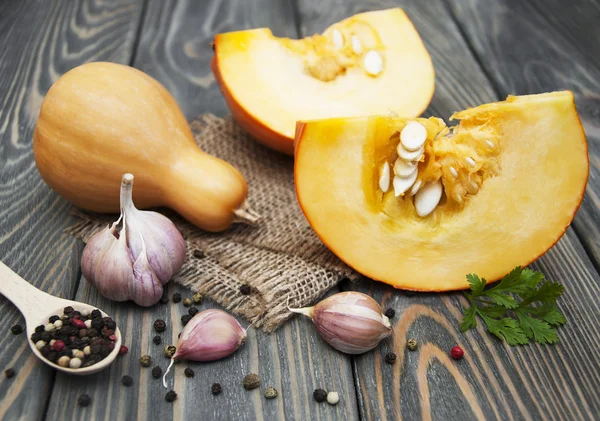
{"points": [[269, 83], [514, 217]]}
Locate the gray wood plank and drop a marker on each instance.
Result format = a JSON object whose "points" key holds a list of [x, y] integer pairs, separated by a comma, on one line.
{"points": [[175, 48], [537, 46], [40, 41], [494, 381]]}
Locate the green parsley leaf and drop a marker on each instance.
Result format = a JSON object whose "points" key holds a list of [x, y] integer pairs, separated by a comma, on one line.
{"points": [[469, 320], [507, 329], [477, 285], [535, 328], [521, 307]]}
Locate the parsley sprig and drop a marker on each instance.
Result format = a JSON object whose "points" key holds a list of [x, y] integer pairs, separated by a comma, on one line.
{"points": [[521, 307]]}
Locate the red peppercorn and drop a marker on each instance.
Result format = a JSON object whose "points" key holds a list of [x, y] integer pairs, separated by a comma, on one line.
{"points": [[78, 324], [123, 350], [58, 345], [113, 337], [456, 352]]}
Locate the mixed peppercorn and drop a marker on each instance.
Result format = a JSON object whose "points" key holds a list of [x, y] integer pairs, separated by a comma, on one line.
{"points": [[76, 340]]}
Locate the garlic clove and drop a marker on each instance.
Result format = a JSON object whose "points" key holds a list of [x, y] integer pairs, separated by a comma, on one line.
{"points": [[146, 288], [351, 322], [106, 264], [210, 335]]}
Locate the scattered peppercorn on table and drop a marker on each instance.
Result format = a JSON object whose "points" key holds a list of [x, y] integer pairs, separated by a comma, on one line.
{"points": [[482, 51]]}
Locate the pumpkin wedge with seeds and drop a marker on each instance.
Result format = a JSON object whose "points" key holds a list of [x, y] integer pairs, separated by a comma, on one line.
{"points": [[495, 191]]}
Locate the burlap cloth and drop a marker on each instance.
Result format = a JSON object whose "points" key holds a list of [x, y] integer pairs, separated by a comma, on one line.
{"points": [[281, 257]]}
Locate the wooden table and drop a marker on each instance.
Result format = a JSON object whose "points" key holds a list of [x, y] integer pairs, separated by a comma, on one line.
{"points": [[482, 51]]}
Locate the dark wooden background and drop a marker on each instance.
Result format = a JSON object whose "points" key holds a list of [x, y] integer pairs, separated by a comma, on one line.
{"points": [[482, 51]]}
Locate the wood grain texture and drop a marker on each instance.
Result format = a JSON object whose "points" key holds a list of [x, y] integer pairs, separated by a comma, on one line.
{"points": [[175, 49], [537, 46], [40, 41], [493, 381]]}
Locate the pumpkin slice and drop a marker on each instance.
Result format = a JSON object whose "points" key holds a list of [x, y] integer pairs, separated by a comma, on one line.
{"points": [[511, 175], [371, 63]]}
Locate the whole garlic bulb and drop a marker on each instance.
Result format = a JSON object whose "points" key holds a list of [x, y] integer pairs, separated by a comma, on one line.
{"points": [[134, 257], [351, 322]]}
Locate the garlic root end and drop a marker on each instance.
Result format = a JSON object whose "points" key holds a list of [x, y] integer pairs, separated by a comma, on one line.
{"points": [[307, 311]]}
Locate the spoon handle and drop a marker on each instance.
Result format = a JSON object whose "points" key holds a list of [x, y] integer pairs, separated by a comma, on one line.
{"points": [[28, 299]]}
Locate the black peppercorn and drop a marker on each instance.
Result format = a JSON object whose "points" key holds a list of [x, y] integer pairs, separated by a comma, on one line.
{"points": [[68, 310], [198, 254], [185, 319], [171, 396], [165, 297], [52, 319], [176, 297], [245, 289], [16, 329], [127, 380], [145, 360], [9, 373], [36, 337], [193, 311], [95, 313], [46, 337], [216, 388], [189, 372], [251, 381], [390, 358], [390, 313], [111, 325], [160, 325], [157, 340], [156, 372], [97, 323], [39, 329], [320, 395], [84, 400]]}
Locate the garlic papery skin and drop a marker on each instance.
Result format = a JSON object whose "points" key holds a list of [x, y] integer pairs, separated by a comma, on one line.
{"points": [[134, 257], [210, 335], [351, 322]]}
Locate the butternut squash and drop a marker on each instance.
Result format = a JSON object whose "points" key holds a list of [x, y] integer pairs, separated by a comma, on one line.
{"points": [[101, 120]]}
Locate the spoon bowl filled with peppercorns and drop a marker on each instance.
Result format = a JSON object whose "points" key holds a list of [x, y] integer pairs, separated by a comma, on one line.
{"points": [[70, 336]]}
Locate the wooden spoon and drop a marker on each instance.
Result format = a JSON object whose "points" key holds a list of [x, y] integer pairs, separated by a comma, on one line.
{"points": [[37, 307]]}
